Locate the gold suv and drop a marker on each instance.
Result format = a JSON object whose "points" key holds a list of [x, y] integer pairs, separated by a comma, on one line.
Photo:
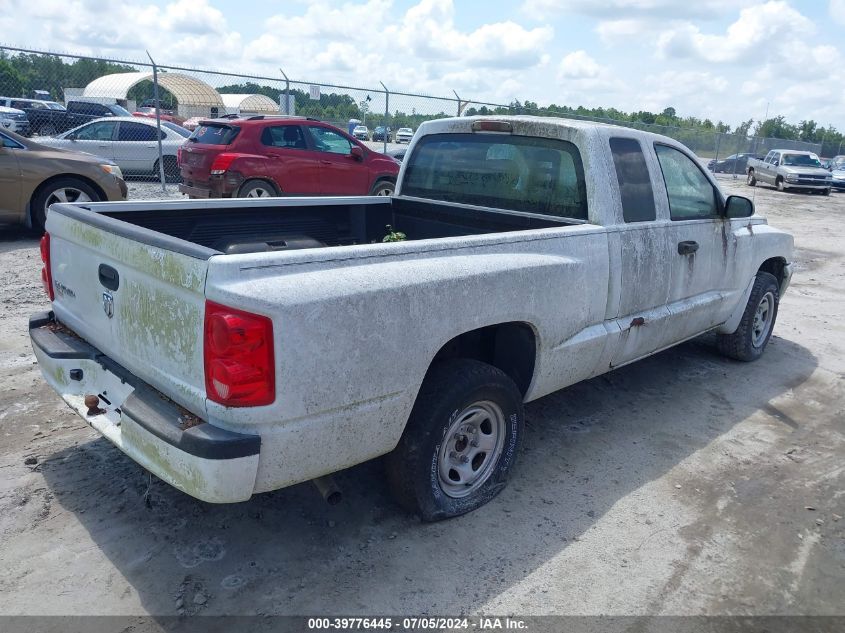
{"points": [[33, 176]]}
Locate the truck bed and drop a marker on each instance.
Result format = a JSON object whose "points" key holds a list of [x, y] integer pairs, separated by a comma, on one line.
{"points": [[298, 223]]}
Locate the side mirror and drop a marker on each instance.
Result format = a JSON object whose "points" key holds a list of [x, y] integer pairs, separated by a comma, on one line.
{"points": [[738, 207], [71, 137], [356, 152], [776, 163]]}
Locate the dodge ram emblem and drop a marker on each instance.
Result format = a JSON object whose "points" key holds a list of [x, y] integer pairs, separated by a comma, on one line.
{"points": [[108, 304]]}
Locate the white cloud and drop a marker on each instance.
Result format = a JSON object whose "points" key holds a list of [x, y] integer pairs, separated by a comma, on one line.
{"points": [[428, 31], [611, 31], [622, 9], [772, 24], [579, 65], [837, 11]]}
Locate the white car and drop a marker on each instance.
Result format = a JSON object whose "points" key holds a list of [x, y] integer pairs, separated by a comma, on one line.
{"points": [[131, 142], [14, 120], [361, 132], [404, 135]]}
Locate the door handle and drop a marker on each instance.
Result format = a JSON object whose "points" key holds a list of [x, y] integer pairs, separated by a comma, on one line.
{"points": [[325, 162], [687, 247], [274, 155]]}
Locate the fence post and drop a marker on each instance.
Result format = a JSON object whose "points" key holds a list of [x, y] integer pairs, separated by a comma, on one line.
{"points": [[287, 91], [158, 124], [718, 143], [386, 113]]}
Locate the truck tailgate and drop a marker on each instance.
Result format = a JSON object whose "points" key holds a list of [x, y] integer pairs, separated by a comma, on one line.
{"points": [[136, 300]]}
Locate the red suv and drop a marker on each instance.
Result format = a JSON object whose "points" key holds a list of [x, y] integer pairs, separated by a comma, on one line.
{"points": [[262, 156]]}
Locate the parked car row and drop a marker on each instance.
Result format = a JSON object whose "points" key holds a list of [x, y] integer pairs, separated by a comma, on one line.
{"points": [[48, 118]]}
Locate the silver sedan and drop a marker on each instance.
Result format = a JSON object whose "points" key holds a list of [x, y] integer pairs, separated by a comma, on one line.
{"points": [[131, 142]]}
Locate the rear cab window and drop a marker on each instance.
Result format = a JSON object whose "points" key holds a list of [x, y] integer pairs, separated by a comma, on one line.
{"points": [[215, 134], [502, 171], [634, 180]]}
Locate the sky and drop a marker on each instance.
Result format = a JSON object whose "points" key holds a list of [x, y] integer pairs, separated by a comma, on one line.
{"points": [[727, 60]]}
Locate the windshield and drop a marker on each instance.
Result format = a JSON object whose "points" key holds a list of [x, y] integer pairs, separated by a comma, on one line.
{"points": [[119, 110], [52, 105], [176, 128], [518, 173], [801, 160]]}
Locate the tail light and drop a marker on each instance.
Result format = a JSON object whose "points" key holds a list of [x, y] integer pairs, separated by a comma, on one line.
{"points": [[179, 155], [46, 272], [238, 355], [222, 162]]}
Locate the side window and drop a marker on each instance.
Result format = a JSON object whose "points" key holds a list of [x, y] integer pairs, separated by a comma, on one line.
{"points": [[288, 136], [634, 181], [329, 141], [100, 131], [690, 194], [7, 142], [135, 132]]}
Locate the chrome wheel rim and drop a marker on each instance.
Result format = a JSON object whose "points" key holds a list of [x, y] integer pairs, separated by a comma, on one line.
{"points": [[762, 323], [471, 449], [258, 192], [384, 191], [67, 194]]}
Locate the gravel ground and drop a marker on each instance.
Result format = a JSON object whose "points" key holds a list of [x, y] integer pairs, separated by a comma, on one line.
{"points": [[684, 484]]}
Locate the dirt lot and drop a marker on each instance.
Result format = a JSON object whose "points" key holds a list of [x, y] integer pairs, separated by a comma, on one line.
{"points": [[684, 484]]}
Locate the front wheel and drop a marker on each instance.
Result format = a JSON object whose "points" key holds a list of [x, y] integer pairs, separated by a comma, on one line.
{"points": [[755, 329], [751, 180], [61, 190], [460, 443], [779, 185], [826, 192], [48, 129]]}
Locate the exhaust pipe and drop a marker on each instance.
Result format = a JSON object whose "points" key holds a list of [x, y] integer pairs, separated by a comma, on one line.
{"points": [[328, 489]]}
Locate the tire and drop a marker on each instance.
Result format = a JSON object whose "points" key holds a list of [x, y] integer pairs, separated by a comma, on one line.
{"points": [[383, 188], [437, 470], [172, 173], [779, 185], [48, 129], [751, 337], [826, 192], [60, 190], [257, 189], [751, 180]]}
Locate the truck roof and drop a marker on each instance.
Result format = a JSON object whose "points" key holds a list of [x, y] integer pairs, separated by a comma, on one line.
{"points": [[544, 126]]}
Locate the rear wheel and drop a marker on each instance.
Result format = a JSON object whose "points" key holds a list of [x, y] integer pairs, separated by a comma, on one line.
{"points": [[383, 188], [61, 190], [257, 189], [460, 443], [751, 180], [826, 192]]}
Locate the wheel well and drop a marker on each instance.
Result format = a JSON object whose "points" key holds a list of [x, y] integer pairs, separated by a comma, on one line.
{"points": [[47, 182], [510, 347], [774, 266]]}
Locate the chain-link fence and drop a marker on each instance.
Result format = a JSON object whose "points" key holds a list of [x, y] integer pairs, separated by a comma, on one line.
{"points": [[137, 114]]}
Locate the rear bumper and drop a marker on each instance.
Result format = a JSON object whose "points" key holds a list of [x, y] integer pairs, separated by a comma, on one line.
{"points": [[202, 460]]}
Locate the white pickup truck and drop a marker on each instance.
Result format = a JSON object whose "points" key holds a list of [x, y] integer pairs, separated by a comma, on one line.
{"points": [[233, 347], [790, 169]]}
